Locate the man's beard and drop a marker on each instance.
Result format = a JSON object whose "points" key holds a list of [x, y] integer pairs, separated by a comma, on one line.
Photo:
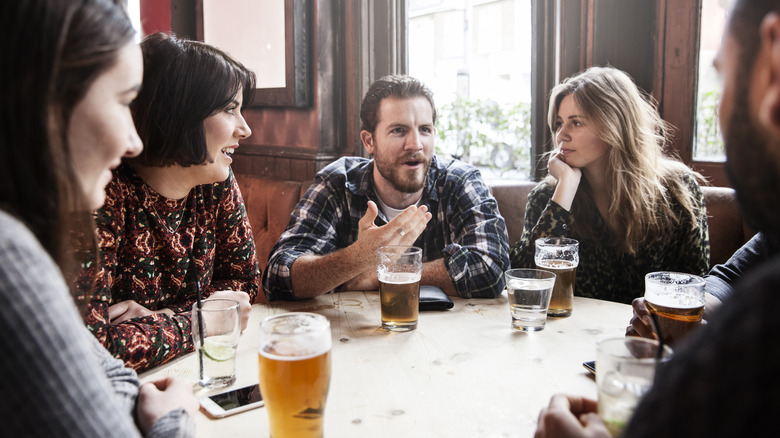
{"points": [[400, 178], [752, 166]]}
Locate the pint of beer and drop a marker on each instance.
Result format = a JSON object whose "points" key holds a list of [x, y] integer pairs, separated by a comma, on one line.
{"points": [[294, 367], [399, 269], [677, 301], [560, 256]]}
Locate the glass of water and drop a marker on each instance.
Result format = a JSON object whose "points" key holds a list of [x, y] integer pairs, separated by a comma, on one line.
{"points": [[529, 292], [216, 328], [625, 368]]}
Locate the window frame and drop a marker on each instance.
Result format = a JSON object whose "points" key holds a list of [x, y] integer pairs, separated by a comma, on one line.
{"points": [[678, 48]]}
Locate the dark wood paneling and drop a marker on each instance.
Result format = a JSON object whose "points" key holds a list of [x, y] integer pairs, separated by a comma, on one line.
{"points": [[624, 37], [680, 66], [542, 79], [278, 163]]}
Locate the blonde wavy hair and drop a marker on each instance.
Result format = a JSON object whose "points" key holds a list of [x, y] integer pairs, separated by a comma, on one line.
{"points": [[642, 182]]}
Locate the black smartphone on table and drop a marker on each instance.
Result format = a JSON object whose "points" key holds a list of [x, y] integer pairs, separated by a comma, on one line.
{"points": [[232, 402], [590, 366]]}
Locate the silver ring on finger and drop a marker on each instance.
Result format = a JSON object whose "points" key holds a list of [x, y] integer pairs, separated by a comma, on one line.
{"points": [[402, 232]]}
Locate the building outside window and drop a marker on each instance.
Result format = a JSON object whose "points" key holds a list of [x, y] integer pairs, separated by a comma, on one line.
{"points": [[475, 55]]}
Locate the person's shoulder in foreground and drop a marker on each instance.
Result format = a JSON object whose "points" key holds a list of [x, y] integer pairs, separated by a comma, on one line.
{"points": [[731, 386], [755, 251], [48, 350]]}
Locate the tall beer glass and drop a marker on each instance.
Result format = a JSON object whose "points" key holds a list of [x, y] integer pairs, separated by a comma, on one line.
{"points": [[677, 301], [399, 269], [294, 366], [560, 256]]}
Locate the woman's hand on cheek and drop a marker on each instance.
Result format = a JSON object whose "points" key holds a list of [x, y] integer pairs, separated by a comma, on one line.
{"points": [[560, 170]]}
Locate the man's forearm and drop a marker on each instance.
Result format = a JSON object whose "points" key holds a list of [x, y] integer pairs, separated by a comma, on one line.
{"points": [[435, 274], [314, 275]]}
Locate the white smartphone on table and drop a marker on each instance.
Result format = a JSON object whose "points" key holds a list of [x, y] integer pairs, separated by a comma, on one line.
{"points": [[232, 402]]}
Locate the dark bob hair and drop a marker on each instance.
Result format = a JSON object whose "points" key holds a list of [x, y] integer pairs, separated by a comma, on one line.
{"points": [[184, 83]]}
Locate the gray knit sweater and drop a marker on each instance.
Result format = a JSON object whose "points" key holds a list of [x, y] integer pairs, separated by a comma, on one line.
{"points": [[55, 378]]}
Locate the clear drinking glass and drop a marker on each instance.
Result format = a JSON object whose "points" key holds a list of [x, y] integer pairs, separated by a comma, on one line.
{"points": [[625, 368], [529, 292], [677, 301], [399, 269], [560, 256], [216, 328], [295, 367]]}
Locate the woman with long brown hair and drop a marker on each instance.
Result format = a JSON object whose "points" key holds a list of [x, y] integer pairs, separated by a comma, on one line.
{"points": [[632, 208]]}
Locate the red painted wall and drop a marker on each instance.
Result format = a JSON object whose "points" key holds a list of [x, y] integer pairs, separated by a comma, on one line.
{"points": [[155, 16]]}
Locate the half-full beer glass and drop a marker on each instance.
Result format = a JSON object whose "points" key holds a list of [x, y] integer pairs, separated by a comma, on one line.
{"points": [[677, 301], [294, 367], [399, 269], [560, 256]]}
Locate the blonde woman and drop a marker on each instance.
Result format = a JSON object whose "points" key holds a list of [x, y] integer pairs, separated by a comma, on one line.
{"points": [[633, 209]]}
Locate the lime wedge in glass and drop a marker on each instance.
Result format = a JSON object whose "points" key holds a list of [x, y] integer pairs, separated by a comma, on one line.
{"points": [[217, 350]]}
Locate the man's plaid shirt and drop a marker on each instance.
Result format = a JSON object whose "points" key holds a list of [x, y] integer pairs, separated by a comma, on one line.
{"points": [[466, 229]]}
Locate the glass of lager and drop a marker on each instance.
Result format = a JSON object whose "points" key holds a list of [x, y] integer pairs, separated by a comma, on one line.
{"points": [[677, 301], [560, 256], [294, 367], [216, 341], [399, 269], [625, 368]]}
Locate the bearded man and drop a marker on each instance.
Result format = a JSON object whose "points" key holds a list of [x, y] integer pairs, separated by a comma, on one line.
{"points": [[404, 195]]}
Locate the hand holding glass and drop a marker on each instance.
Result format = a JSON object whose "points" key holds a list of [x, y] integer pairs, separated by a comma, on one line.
{"points": [[677, 301]]}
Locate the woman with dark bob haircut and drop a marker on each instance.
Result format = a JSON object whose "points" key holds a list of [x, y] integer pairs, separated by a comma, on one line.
{"points": [[69, 69], [174, 223]]}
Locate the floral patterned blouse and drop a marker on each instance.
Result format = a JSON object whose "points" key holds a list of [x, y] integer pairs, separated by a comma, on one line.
{"points": [[152, 251], [604, 272]]}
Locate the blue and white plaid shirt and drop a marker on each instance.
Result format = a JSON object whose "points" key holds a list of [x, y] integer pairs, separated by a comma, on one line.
{"points": [[466, 229]]}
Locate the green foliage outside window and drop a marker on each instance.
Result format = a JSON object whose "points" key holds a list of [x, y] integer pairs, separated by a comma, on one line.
{"points": [[709, 142], [486, 133]]}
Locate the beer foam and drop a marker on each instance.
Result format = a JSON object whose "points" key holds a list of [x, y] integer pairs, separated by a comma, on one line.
{"points": [[398, 277], [294, 348], [295, 336], [679, 299]]}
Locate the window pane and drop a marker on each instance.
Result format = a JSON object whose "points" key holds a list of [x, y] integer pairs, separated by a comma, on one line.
{"points": [[708, 145], [134, 11], [476, 57]]}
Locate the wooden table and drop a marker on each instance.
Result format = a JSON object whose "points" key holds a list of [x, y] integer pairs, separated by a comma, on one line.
{"points": [[463, 373]]}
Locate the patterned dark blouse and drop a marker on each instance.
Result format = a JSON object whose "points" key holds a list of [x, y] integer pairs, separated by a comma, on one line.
{"points": [[153, 249], [605, 272]]}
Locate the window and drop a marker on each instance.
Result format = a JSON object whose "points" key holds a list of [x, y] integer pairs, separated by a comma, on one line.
{"points": [[708, 144], [475, 55], [134, 11]]}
